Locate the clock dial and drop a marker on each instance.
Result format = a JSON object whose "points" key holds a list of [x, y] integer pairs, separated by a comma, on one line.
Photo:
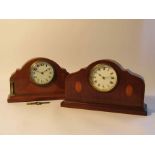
{"points": [[103, 78], [42, 73]]}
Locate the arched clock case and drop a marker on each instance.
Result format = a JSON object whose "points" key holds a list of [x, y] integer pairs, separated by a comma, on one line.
{"points": [[39, 79], [105, 85]]}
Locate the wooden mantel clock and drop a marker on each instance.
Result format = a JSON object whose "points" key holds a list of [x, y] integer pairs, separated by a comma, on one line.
{"points": [[39, 79], [105, 85]]}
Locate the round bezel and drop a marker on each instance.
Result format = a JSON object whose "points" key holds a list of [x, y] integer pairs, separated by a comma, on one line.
{"points": [[97, 68], [31, 71]]}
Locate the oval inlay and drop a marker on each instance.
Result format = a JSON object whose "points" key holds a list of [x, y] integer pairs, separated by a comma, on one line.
{"points": [[129, 90], [78, 86]]}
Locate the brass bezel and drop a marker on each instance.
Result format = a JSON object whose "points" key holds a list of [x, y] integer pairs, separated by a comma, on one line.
{"points": [[34, 64], [91, 82]]}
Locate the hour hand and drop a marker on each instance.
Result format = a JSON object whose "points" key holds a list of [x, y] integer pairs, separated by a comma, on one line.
{"points": [[103, 77], [45, 70]]}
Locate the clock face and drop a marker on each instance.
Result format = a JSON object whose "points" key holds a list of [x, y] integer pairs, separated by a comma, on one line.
{"points": [[42, 73], [103, 78]]}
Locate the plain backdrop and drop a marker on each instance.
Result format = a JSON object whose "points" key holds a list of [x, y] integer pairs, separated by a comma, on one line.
{"points": [[74, 44]]}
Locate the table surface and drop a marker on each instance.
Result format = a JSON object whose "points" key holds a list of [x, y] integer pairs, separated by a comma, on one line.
{"points": [[19, 118]]}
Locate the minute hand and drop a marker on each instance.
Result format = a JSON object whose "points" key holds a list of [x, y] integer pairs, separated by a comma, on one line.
{"points": [[45, 70], [106, 77]]}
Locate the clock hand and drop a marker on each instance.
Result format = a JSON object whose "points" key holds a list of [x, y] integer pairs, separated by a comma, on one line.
{"points": [[104, 77], [42, 73], [107, 77], [46, 70]]}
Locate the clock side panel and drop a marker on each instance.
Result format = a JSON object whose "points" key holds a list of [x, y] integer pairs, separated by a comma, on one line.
{"points": [[132, 90]]}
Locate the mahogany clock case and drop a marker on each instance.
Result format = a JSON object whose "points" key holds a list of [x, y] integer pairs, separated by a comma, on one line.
{"points": [[23, 89], [126, 97]]}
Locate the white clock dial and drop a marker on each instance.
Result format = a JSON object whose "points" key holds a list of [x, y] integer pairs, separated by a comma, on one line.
{"points": [[103, 77], [42, 73]]}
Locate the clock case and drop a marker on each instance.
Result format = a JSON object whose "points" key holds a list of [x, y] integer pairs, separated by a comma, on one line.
{"points": [[126, 97], [23, 89]]}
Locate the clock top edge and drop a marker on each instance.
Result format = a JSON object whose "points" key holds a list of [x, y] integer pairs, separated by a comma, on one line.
{"points": [[117, 66], [27, 65]]}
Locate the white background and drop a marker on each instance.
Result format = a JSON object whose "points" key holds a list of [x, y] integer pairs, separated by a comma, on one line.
{"points": [[74, 44]]}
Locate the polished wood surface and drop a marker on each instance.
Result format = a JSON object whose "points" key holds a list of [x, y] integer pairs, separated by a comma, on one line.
{"points": [[23, 89], [126, 97]]}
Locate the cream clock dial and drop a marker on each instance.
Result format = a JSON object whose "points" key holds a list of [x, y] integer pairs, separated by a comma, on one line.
{"points": [[103, 78], [42, 73]]}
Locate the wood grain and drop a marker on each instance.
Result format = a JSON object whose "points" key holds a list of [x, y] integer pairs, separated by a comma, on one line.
{"points": [[120, 97], [24, 89]]}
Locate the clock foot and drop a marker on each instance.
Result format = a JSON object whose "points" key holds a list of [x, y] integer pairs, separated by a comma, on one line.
{"points": [[108, 108]]}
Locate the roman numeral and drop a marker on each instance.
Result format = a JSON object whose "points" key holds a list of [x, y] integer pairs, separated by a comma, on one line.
{"points": [[111, 82], [35, 69], [95, 81]]}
